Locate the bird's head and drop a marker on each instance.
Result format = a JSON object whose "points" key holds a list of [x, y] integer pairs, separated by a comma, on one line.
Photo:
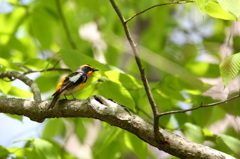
{"points": [[86, 69]]}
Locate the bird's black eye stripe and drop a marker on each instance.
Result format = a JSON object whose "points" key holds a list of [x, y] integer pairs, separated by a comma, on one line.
{"points": [[87, 69]]}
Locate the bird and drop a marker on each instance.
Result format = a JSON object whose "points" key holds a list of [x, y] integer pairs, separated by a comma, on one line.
{"points": [[72, 83]]}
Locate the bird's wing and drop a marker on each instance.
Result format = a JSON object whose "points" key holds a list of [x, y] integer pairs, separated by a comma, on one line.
{"points": [[71, 81]]}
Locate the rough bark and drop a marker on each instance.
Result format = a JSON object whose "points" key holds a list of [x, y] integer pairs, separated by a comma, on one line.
{"points": [[106, 110]]}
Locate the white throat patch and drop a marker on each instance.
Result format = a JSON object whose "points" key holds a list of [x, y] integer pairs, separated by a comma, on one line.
{"points": [[75, 78]]}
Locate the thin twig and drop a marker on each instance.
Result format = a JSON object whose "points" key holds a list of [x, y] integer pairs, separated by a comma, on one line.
{"points": [[141, 69], [68, 34], [158, 5], [195, 108], [49, 69]]}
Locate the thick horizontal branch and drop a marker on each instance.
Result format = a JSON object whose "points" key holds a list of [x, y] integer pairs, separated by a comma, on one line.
{"points": [[106, 110]]}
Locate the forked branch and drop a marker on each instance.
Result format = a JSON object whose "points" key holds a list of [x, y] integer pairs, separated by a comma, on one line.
{"points": [[141, 69], [158, 5]]}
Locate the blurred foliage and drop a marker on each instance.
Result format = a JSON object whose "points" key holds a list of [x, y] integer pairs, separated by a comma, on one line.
{"points": [[178, 46]]}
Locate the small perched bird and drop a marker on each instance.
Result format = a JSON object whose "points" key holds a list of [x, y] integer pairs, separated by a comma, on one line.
{"points": [[72, 83]]}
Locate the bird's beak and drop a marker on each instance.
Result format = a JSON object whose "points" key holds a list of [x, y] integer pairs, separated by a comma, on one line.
{"points": [[94, 70]]}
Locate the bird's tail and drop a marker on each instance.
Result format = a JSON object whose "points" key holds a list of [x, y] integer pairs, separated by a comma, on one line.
{"points": [[55, 99]]}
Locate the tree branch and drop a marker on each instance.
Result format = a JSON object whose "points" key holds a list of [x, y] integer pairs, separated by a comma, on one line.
{"points": [[49, 69], [141, 69], [158, 5], [65, 26], [195, 108], [98, 107], [26, 80]]}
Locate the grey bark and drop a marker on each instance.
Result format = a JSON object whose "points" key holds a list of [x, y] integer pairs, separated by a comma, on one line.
{"points": [[98, 107]]}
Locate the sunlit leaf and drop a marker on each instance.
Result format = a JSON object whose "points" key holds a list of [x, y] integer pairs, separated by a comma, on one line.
{"points": [[204, 69], [5, 86], [36, 63], [73, 59], [24, 152], [229, 68], [208, 133], [201, 5], [18, 117], [231, 142], [10, 22], [124, 79], [216, 11], [117, 93], [9, 65], [193, 132], [231, 6], [17, 92]]}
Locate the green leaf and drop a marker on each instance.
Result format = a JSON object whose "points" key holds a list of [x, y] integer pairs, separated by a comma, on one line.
{"points": [[80, 130], [45, 149], [5, 87], [73, 59], [232, 107], [18, 117], [208, 133], [204, 69], [117, 93], [40, 18], [124, 79], [216, 11], [10, 22], [113, 133], [193, 132], [231, 142], [46, 84], [197, 115], [24, 153], [9, 65], [169, 92], [3, 152], [231, 6], [187, 82], [181, 118], [17, 92], [229, 68], [135, 144], [36, 63], [53, 128], [176, 70], [201, 5]]}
